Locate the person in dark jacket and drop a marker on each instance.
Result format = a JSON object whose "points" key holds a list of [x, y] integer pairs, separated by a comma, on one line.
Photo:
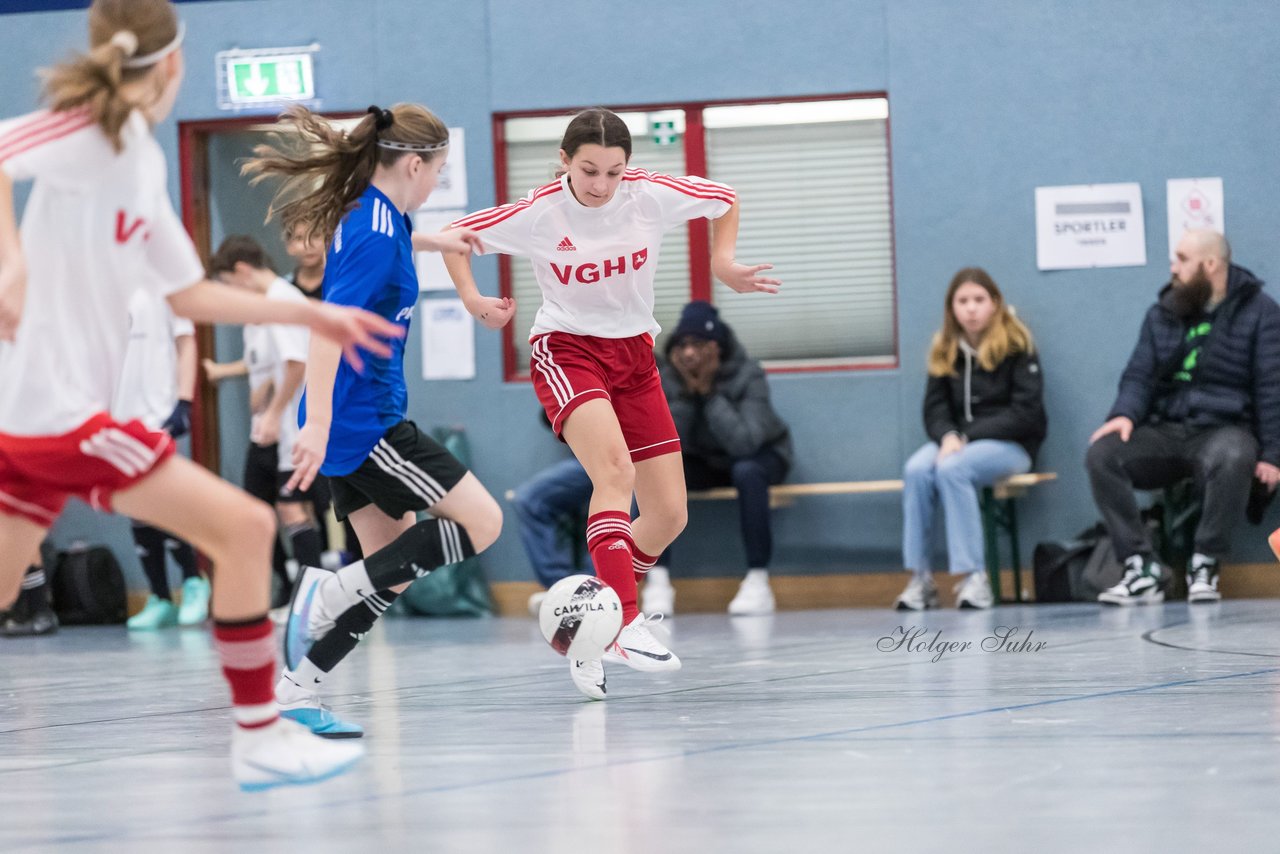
{"points": [[730, 435], [984, 414], [1199, 398]]}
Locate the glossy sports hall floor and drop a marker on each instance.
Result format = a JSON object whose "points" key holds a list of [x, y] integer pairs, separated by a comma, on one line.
{"points": [[1151, 729]]}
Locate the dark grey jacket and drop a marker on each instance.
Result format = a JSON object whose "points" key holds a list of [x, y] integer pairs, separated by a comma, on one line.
{"points": [[1237, 378], [736, 420]]}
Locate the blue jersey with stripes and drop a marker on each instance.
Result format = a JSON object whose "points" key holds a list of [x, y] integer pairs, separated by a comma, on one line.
{"points": [[369, 265]]}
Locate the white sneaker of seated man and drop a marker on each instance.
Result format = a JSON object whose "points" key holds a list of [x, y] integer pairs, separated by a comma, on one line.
{"points": [[658, 596], [1140, 585], [754, 597], [284, 753], [1202, 579]]}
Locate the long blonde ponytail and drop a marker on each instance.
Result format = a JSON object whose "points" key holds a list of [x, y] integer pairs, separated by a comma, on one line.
{"points": [[119, 31]]}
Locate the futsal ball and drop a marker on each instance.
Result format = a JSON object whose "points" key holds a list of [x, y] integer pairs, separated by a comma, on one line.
{"points": [[580, 617]]}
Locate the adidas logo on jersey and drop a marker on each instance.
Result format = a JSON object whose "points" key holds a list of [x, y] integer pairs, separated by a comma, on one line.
{"points": [[566, 245]]}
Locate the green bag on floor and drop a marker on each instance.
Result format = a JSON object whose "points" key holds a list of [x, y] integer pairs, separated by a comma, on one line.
{"points": [[456, 589]]}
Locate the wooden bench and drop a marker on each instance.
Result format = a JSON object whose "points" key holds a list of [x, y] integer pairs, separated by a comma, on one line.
{"points": [[998, 503]]}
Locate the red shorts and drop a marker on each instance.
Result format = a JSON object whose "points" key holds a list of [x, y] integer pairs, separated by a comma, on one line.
{"points": [[97, 459], [568, 370]]}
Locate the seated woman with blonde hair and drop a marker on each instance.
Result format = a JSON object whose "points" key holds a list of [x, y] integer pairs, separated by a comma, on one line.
{"points": [[984, 414]]}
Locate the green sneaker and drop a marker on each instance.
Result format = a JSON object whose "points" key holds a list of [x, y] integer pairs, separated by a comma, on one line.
{"points": [[195, 602], [156, 614]]}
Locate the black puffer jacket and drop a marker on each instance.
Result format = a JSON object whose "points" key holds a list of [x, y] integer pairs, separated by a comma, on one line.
{"points": [[1237, 375], [1006, 403], [736, 420]]}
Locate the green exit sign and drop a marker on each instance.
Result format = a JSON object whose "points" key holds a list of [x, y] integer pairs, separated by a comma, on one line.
{"points": [[254, 79]]}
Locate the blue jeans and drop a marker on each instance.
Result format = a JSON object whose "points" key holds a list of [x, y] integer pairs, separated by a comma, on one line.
{"points": [[955, 482], [543, 504]]}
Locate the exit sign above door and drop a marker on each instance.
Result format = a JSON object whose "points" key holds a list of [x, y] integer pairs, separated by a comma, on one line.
{"points": [[267, 77]]}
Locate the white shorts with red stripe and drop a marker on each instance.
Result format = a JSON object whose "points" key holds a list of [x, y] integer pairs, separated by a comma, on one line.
{"points": [[568, 370], [97, 459]]}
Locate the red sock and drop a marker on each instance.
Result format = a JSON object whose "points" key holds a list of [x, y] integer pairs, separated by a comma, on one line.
{"points": [[609, 541], [641, 563], [248, 654]]}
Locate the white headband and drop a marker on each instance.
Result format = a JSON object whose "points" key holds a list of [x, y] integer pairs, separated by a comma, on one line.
{"points": [[124, 39], [409, 146]]}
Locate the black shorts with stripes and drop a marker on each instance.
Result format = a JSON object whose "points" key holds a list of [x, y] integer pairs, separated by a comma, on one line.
{"points": [[406, 471]]}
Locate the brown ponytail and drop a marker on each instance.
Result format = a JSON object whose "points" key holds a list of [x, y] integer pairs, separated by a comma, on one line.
{"points": [[118, 31], [325, 169]]}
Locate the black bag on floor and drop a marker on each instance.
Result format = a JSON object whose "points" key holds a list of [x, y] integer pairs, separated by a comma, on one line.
{"points": [[87, 587], [1076, 570]]}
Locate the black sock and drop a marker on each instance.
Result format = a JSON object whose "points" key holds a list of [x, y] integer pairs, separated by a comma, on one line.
{"points": [[349, 629], [149, 542], [34, 595], [305, 540], [413, 554], [185, 556]]}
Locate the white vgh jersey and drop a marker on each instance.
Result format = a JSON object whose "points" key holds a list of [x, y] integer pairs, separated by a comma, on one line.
{"points": [[595, 266], [149, 379], [267, 349], [97, 226]]}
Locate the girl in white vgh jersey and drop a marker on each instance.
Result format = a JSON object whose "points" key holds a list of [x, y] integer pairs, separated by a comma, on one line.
{"points": [[593, 238], [97, 226]]}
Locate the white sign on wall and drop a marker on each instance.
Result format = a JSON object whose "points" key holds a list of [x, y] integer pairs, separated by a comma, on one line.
{"points": [[1194, 203], [432, 275], [1090, 225], [451, 187], [448, 340]]}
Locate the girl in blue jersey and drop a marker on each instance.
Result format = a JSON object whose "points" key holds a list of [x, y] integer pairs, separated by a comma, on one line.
{"points": [[356, 190]]}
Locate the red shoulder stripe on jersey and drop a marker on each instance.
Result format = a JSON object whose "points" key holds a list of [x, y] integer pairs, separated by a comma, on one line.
{"points": [[39, 123], [489, 217], [688, 188], [714, 191], [46, 129]]}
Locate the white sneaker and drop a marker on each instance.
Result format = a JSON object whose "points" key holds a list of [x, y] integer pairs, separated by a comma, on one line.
{"points": [[754, 597], [535, 603], [974, 592], [588, 677], [306, 622], [287, 754], [919, 595], [1202, 579], [637, 648], [658, 596], [1139, 586]]}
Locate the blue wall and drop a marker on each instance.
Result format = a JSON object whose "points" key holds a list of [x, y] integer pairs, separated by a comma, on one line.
{"points": [[987, 101]]}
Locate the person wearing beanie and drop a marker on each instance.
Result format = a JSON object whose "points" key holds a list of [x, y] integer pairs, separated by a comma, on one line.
{"points": [[730, 435]]}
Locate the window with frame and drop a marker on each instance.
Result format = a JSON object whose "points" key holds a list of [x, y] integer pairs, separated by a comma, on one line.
{"points": [[812, 178]]}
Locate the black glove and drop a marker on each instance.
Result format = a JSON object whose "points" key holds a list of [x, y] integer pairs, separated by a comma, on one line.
{"points": [[178, 424]]}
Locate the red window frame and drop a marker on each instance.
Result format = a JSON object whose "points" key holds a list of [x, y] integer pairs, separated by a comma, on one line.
{"points": [[695, 155]]}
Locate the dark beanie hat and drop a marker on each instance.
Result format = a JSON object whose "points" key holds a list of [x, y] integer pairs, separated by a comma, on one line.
{"points": [[700, 319]]}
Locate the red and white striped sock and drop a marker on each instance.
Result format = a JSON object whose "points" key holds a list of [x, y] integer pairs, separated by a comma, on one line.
{"points": [[641, 563], [247, 651], [609, 541]]}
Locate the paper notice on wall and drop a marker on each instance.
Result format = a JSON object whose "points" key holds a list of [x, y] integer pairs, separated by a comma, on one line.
{"points": [[1194, 203], [448, 340], [432, 275], [451, 184], [1090, 225]]}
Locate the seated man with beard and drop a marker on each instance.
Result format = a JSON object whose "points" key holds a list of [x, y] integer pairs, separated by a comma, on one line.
{"points": [[1199, 398]]}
